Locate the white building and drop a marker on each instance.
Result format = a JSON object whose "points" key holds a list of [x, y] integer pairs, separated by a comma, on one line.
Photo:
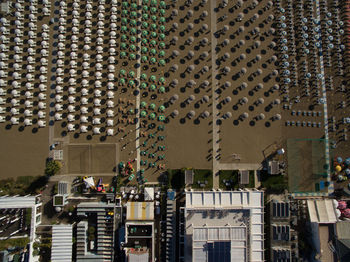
{"points": [[62, 242], [32, 202], [224, 226]]}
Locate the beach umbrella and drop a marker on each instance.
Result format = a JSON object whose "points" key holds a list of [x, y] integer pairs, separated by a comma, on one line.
{"points": [[161, 108], [122, 54], [161, 53], [153, 51], [162, 28], [162, 62], [339, 159], [133, 14], [131, 74], [131, 83], [124, 38], [144, 59], [153, 27], [161, 89], [161, 80], [161, 36], [161, 45], [124, 21], [347, 171], [144, 50], [143, 113], [145, 33], [153, 78], [152, 87], [145, 16], [338, 168], [143, 104], [132, 48], [347, 161], [144, 25], [152, 116], [161, 118], [205, 114], [145, 9], [153, 60], [152, 106], [132, 56], [341, 205], [143, 85], [144, 41]]}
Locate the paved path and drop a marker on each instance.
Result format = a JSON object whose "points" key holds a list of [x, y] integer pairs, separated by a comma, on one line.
{"points": [[215, 97], [137, 126], [325, 110], [238, 166]]}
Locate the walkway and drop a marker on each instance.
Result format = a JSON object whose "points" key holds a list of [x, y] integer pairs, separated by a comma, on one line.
{"points": [[215, 97]]}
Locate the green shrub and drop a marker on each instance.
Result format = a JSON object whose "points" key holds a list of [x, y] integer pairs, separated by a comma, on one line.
{"points": [[52, 167]]}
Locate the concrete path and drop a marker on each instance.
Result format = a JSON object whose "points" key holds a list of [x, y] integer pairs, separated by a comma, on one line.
{"points": [[215, 97], [238, 166]]}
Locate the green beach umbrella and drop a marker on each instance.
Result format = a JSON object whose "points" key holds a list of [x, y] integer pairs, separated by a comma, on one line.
{"points": [[153, 34], [153, 10], [122, 54], [145, 8], [133, 22], [124, 38], [161, 89], [153, 78], [153, 51], [162, 62], [132, 48], [153, 27], [144, 50], [162, 28], [152, 106], [133, 31], [162, 20], [131, 74], [133, 14], [161, 53], [123, 46], [152, 87], [161, 108], [131, 111], [144, 59], [162, 4], [124, 21], [143, 113], [161, 80], [125, 5], [144, 41], [143, 85], [132, 56], [143, 76], [144, 25], [143, 104], [124, 13], [154, 18], [161, 118], [162, 12], [131, 83], [123, 29], [162, 36], [152, 116], [144, 33], [144, 16], [153, 43], [145, 2], [133, 6], [132, 39], [154, 2], [122, 72], [121, 81], [142, 171], [153, 60], [161, 45]]}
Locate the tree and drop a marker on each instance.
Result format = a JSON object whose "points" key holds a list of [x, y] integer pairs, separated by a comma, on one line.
{"points": [[52, 167]]}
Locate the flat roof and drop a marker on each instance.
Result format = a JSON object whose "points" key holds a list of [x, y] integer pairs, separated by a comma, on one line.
{"points": [[224, 199], [140, 211], [17, 201], [321, 211], [62, 242]]}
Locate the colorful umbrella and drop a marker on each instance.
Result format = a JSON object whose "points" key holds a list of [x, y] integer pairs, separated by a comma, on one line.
{"points": [[144, 59], [144, 25], [161, 118], [144, 50], [124, 21], [153, 10], [152, 87], [154, 18], [161, 89], [339, 159], [161, 108], [153, 78], [125, 5], [144, 41], [124, 38], [131, 74], [131, 83], [161, 80], [161, 53], [162, 4], [133, 31], [132, 48], [144, 33], [133, 22], [121, 81], [153, 60], [154, 2], [145, 16], [132, 39], [122, 54], [153, 27], [124, 29], [161, 45], [143, 85], [153, 43], [153, 34], [132, 56], [133, 6], [162, 62], [143, 76], [124, 13], [152, 106], [123, 46], [133, 14], [162, 28], [153, 51], [162, 20], [145, 9], [162, 12], [122, 72], [162, 36]]}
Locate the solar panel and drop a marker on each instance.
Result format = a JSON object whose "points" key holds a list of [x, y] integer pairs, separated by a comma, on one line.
{"points": [[219, 251]]}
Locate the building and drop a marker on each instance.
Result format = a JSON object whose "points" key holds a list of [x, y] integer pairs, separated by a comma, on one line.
{"points": [[139, 232], [342, 240], [63, 191], [96, 231], [29, 203], [170, 227], [273, 168], [244, 177], [62, 242], [224, 226]]}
